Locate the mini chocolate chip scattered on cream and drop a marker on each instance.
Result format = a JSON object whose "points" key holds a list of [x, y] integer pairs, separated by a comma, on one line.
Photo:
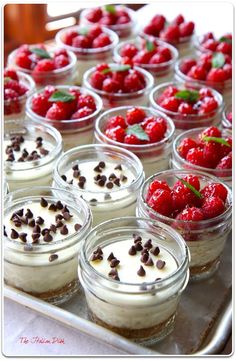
{"points": [[75, 167], [53, 257], [102, 164], [29, 214], [21, 159], [118, 167], [116, 278], [77, 227], [137, 238], [144, 258], [141, 272], [160, 264], [113, 272], [117, 182], [145, 251], [98, 250], [31, 223], [24, 220], [59, 224], [64, 230], [20, 212], [81, 185], [109, 185], [43, 202], [93, 202], [23, 237], [59, 205], [48, 237], [111, 257], [112, 176], [101, 183], [64, 177], [97, 169], [66, 215], [65, 209], [43, 151], [52, 207], [10, 158], [14, 234], [114, 262], [148, 244], [53, 228], [132, 251], [58, 217], [35, 236], [123, 178], [44, 231], [37, 229], [138, 246], [39, 220], [155, 251], [76, 173], [149, 262], [17, 223]]}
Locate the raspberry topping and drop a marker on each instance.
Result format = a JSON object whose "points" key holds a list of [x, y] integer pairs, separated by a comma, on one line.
{"points": [[108, 15], [87, 37], [223, 44], [13, 90]]}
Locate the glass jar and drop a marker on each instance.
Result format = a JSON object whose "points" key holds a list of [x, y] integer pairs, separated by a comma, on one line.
{"points": [[187, 121], [65, 75], [74, 132], [225, 88], [178, 162], [206, 239], [124, 31], [143, 312], [88, 57], [226, 123], [44, 269], [15, 108], [5, 188], [104, 202], [155, 156], [199, 47], [161, 72], [112, 100], [20, 174]]}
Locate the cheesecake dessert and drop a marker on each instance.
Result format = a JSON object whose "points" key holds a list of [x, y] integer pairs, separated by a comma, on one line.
{"points": [[45, 64], [146, 132], [71, 110], [30, 153], [188, 105], [108, 178], [139, 271], [194, 204], [210, 43], [42, 239]]}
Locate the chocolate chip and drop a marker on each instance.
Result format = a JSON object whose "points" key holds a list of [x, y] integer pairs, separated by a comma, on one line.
{"points": [[160, 264], [109, 185], [52, 207], [31, 223], [16, 147], [77, 227], [81, 185], [53, 257], [65, 209], [145, 251], [137, 238], [117, 182], [112, 176], [148, 244], [47, 237], [29, 214], [10, 158], [67, 215], [59, 224], [103, 177], [93, 201], [116, 278], [20, 212], [23, 237], [107, 196], [111, 257], [155, 251], [39, 220], [113, 272], [141, 272], [17, 223], [149, 262], [70, 182], [123, 178], [8, 150], [75, 167], [144, 258], [101, 164], [64, 230], [118, 167], [98, 250], [114, 262], [44, 231], [101, 183], [43, 151], [58, 217], [97, 169], [35, 236], [43, 202], [76, 173], [21, 159], [63, 177], [14, 234], [158, 279], [25, 153], [82, 179], [138, 246], [97, 177], [53, 228], [59, 205], [24, 220], [132, 251], [96, 257], [37, 229], [30, 158], [28, 247], [39, 139]]}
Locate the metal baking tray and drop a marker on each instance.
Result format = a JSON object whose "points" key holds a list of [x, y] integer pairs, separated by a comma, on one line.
{"points": [[203, 323]]}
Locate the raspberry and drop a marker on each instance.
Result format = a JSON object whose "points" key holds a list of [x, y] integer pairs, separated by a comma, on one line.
{"points": [[193, 180], [117, 134], [132, 139], [226, 162], [44, 65], [228, 71], [128, 50], [224, 149], [187, 64], [210, 44], [108, 20], [224, 48], [209, 132], [186, 108], [159, 22], [142, 57], [132, 83], [81, 113], [170, 91], [155, 132], [178, 20], [94, 31], [196, 156], [23, 61], [216, 75], [55, 112], [205, 61], [165, 52], [81, 41], [49, 90], [191, 214], [86, 101], [186, 29], [10, 94], [102, 66], [161, 202], [115, 121], [97, 79], [11, 73], [170, 34], [40, 104], [94, 15], [63, 52], [211, 153], [182, 197], [205, 92], [154, 185], [157, 59], [185, 145], [61, 61], [147, 121], [110, 86], [101, 41], [135, 115], [123, 20], [215, 190], [12, 84], [197, 72], [69, 36], [171, 104], [212, 207], [150, 29], [208, 105]]}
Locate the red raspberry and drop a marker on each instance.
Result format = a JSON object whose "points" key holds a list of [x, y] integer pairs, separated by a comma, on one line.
{"points": [[197, 72], [157, 59], [75, 92], [110, 86], [135, 115], [132, 139], [186, 65], [196, 156], [132, 83], [191, 214], [150, 29], [186, 108], [44, 65], [127, 61], [182, 197], [86, 101], [40, 104], [101, 41], [170, 91], [128, 50], [209, 132], [108, 20], [185, 145], [210, 44], [216, 75], [49, 90], [95, 31], [224, 48], [154, 185], [159, 22], [123, 20], [97, 79], [10, 94], [205, 92], [155, 132], [69, 36], [171, 104], [63, 52], [147, 121], [12, 84], [61, 61], [193, 180], [117, 134], [115, 121], [211, 153], [23, 61], [81, 41], [55, 112], [212, 207], [228, 71], [119, 78], [186, 29], [215, 190], [178, 20], [11, 73], [208, 105], [170, 34], [226, 162], [165, 52], [224, 149], [205, 61], [82, 113], [161, 202], [94, 15], [102, 66], [142, 57]]}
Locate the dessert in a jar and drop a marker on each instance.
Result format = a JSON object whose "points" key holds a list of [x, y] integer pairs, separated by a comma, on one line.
{"points": [[210, 43], [119, 84], [118, 18], [108, 178], [209, 69], [205, 149], [17, 88], [156, 56], [227, 117], [144, 131], [92, 44], [30, 151], [188, 105], [195, 204], [43, 234], [45, 64], [133, 272], [71, 110], [177, 32]]}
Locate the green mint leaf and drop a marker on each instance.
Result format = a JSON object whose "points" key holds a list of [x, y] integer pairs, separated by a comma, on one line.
{"points": [[41, 53], [83, 31], [61, 96], [150, 46], [110, 9], [188, 95], [115, 68], [6, 79], [216, 140], [138, 131], [218, 60], [223, 39], [192, 188]]}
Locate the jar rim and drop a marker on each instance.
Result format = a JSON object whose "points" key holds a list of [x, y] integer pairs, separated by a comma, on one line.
{"points": [[182, 40], [31, 84]]}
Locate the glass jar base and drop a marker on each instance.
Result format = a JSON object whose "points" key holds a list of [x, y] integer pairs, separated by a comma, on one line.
{"points": [[200, 273]]}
